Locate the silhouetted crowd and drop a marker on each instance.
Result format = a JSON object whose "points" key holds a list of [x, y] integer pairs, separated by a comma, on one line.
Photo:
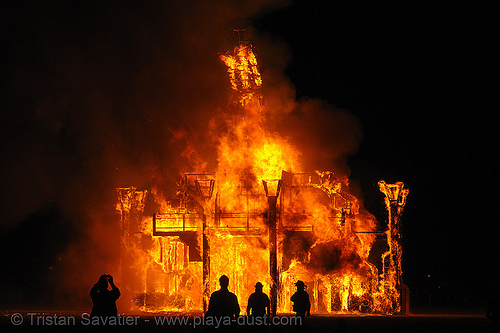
{"points": [[223, 304]]}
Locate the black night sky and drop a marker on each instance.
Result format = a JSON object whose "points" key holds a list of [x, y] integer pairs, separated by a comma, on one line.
{"points": [[418, 77], [85, 87]]}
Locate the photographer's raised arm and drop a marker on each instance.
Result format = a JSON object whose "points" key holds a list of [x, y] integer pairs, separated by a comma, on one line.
{"points": [[114, 287]]}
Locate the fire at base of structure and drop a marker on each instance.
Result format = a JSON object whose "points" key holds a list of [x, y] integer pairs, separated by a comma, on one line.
{"points": [[172, 259], [256, 223]]}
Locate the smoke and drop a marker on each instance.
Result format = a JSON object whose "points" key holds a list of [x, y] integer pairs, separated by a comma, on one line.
{"points": [[113, 94], [333, 256], [325, 135]]}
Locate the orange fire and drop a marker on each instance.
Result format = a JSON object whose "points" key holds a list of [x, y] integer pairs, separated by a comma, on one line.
{"points": [[243, 72], [218, 224]]}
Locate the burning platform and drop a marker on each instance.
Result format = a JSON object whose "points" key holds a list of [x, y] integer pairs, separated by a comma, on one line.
{"points": [[259, 217]]}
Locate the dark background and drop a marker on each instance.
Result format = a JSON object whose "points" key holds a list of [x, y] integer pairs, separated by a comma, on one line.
{"points": [[418, 77]]}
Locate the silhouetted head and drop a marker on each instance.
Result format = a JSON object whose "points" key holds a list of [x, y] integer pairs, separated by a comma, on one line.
{"points": [[224, 281], [103, 282], [300, 285], [258, 287]]}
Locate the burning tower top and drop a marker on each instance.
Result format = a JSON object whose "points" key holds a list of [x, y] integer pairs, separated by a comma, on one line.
{"points": [[244, 73]]}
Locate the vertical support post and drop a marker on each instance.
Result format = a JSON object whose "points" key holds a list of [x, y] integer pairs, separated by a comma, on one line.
{"points": [[395, 239], [154, 225], [206, 265], [216, 211], [273, 257], [247, 209], [395, 199]]}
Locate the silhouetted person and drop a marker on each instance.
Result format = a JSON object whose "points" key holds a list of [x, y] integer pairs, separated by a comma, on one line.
{"points": [[492, 313], [103, 299], [301, 306], [258, 302], [300, 299], [223, 304]]}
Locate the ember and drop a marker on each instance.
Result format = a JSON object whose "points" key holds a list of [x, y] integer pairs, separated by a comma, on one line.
{"points": [[260, 217]]}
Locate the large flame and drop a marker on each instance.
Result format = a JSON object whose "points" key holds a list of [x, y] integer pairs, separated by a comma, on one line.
{"points": [[243, 72], [217, 224]]}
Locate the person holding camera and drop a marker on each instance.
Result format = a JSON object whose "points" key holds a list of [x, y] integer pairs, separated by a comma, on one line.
{"points": [[103, 299]]}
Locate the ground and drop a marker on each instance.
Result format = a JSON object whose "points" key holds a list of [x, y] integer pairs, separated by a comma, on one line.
{"points": [[442, 323]]}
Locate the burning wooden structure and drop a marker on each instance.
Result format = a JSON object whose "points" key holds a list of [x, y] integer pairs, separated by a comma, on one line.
{"points": [[258, 217]]}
